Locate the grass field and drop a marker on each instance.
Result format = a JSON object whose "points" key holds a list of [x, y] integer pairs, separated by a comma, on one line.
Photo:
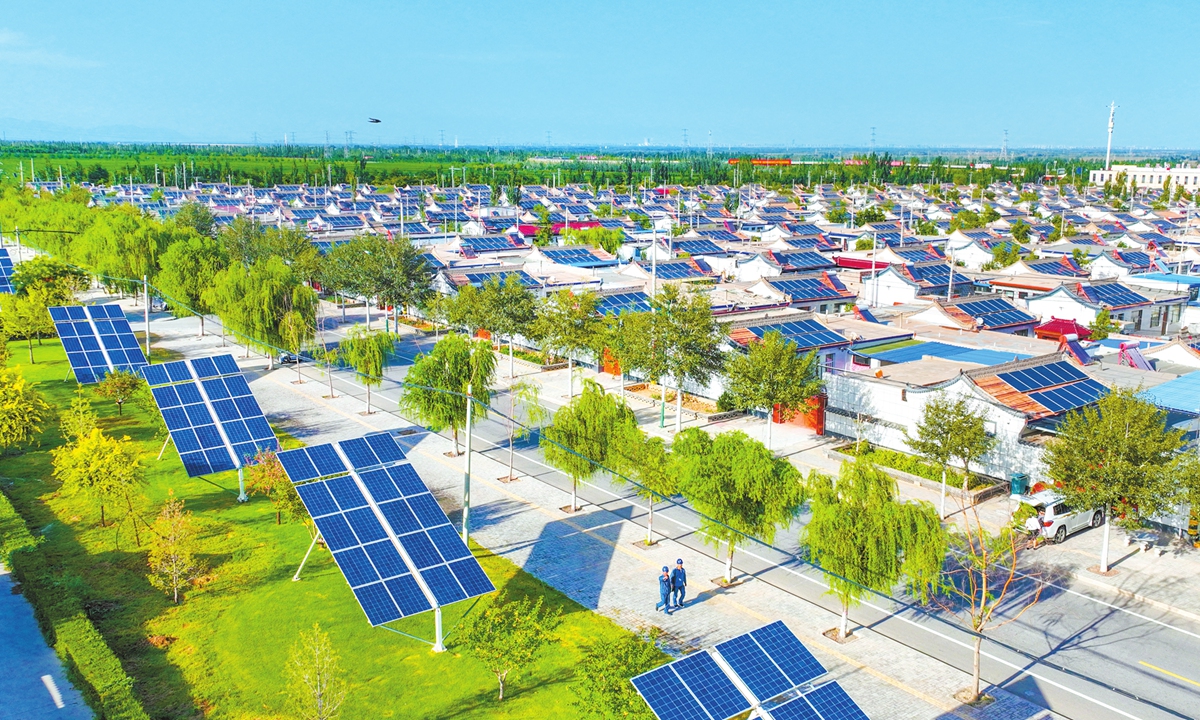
{"points": [[221, 653]]}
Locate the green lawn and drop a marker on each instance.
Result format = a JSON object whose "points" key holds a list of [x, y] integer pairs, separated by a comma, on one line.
{"points": [[221, 653]]}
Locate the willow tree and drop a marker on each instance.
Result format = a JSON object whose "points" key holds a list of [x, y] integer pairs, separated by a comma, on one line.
{"points": [[188, 268], [865, 540], [253, 300], [368, 352], [435, 388], [579, 438], [645, 460], [740, 488]]}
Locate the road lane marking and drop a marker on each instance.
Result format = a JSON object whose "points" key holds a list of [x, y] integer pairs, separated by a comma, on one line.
{"points": [[55, 695], [1168, 672]]}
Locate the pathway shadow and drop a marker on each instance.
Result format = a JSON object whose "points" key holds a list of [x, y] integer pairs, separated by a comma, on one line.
{"points": [[576, 561]]}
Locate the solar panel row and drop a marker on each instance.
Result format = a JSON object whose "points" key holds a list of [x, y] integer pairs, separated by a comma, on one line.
{"points": [[827, 702], [694, 687], [387, 533], [624, 302], [210, 413], [805, 289], [6, 267], [770, 660], [805, 333], [1070, 397], [98, 340]]}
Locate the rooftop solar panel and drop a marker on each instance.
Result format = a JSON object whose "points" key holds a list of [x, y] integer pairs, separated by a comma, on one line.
{"points": [[1042, 376], [623, 302], [674, 270], [376, 500], [97, 340], [805, 289]]}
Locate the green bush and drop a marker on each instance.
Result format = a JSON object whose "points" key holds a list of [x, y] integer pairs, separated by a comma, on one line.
{"points": [[912, 465], [726, 403], [90, 662]]}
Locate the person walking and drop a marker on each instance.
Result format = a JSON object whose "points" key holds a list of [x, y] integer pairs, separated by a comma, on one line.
{"points": [[664, 590], [679, 582]]}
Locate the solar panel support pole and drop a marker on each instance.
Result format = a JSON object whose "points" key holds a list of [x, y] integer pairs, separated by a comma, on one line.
{"points": [[311, 545], [242, 497], [146, 293], [437, 630], [466, 513]]}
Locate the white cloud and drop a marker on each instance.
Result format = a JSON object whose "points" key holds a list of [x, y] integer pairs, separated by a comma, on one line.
{"points": [[16, 49]]}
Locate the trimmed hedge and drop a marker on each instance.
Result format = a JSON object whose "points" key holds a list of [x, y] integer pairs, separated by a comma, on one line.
{"points": [[91, 663], [913, 465]]}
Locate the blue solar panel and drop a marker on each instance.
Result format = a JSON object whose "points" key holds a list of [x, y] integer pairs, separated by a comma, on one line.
{"points": [[6, 266], [478, 279], [697, 247], [1070, 397], [788, 653], [97, 340], [1042, 376], [693, 687], [754, 667], [832, 702], [804, 333], [623, 302], [803, 260], [796, 709], [805, 289], [412, 515], [209, 420]]}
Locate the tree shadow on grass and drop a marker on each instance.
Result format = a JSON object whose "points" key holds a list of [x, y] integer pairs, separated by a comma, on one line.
{"points": [[516, 688]]}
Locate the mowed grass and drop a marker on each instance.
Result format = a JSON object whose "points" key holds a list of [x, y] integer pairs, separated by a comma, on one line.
{"points": [[222, 652]]}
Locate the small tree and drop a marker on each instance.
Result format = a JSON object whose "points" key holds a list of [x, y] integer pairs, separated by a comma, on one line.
{"points": [[980, 581], [172, 557], [25, 317], [103, 468], [5, 352], [602, 684], [1116, 456], [865, 540], [738, 485], [79, 420], [578, 440], [315, 686], [951, 429], [568, 324], [511, 309], [688, 340], [296, 334], [644, 459], [329, 357], [526, 413], [23, 411], [773, 374], [436, 385], [508, 634], [368, 352], [1103, 325], [268, 478], [119, 386]]}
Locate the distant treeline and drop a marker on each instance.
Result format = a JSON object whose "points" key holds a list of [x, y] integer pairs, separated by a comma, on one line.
{"points": [[269, 165]]}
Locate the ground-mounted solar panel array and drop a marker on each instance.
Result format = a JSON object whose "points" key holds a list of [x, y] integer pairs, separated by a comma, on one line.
{"points": [[6, 268], [214, 420], [98, 340], [805, 333], [776, 673], [393, 543]]}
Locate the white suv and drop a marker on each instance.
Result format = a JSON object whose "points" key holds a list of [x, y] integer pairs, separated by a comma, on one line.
{"points": [[1061, 520]]}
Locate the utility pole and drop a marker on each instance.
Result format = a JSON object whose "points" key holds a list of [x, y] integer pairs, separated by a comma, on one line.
{"points": [[1112, 111], [1004, 147]]}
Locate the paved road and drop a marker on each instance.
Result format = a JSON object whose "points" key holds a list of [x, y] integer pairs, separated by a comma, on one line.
{"points": [[29, 668]]}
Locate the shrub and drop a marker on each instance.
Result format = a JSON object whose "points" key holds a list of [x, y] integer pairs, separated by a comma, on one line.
{"points": [[912, 465]]}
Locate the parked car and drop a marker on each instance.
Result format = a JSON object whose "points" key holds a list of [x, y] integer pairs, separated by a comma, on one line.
{"points": [[287, 358], [1060, 519]]}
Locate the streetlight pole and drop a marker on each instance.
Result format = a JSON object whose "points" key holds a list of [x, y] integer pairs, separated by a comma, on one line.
{"points": [[466, 513]]}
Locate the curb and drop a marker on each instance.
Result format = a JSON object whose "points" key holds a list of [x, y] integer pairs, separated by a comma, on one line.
{"points": [[1083, 578]]}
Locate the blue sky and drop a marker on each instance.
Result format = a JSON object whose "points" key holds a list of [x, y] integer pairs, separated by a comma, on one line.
{"points": [[808, 73]]}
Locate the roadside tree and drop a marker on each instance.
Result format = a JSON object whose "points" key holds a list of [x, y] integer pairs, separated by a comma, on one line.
{"points": [[951, 429], [368, 352], [772, 374], [187, 269], [568, 324], [689, 337], [645, 460], [526, 414], [436, 385], [741, 489], [578, 439]]}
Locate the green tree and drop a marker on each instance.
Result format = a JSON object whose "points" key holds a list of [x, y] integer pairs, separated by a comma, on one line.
{"points": [[688, 339], [119, 386], [101, 468], [173, 546], [197, 217], [865, 539], [568, 324], [869, 215], [609, 240], [545, 229], [1116, 456], [296, 336], [773, 374], [45, 271], [188, 269], [467, 310], [1003, 255], [315, 687], [577, 442], [391, 272], [267, 478], [740, 488], [79, 420], [926, 227], [435, 387], [950, 429], [621, 342], [25, 317], [644, 459], [525, 414], [837, 214], [1019, 231], [252, 301], [508, 635], [368, 352], [1103, 325], [510, 309], [23, 411], [602, 686]]}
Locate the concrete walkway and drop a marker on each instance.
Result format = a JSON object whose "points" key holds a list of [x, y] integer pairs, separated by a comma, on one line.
{"points": [[33, 684]]}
